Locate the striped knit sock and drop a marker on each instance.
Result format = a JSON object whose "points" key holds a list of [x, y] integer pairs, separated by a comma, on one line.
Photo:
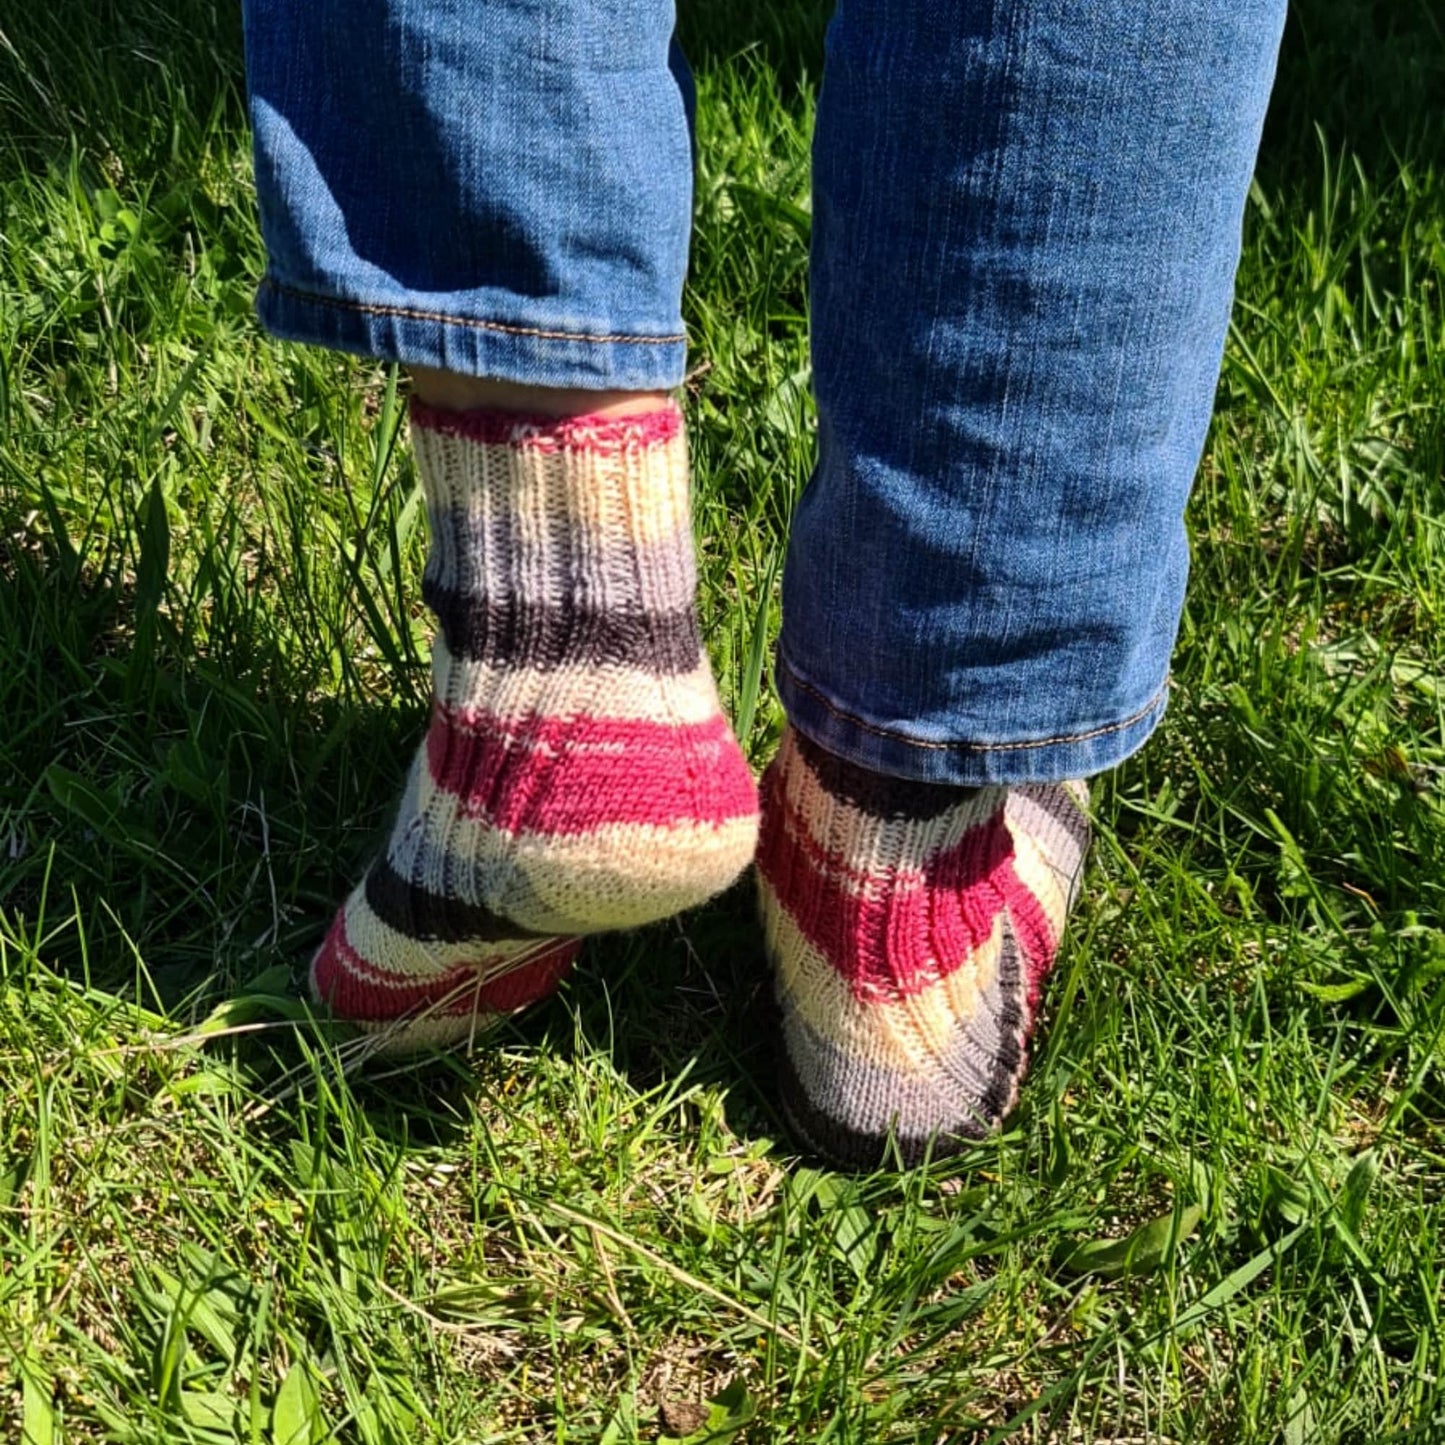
{"points": [[911, 927], [578, 774]]}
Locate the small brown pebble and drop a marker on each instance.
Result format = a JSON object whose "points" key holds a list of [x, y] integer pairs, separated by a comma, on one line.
{"points": [[683, 1417]]}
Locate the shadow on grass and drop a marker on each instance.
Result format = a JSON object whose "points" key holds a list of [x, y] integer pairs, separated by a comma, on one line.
{"points": [[196, 821], [112, 82], [682, 1005], [182, 802], [1362, 78]]}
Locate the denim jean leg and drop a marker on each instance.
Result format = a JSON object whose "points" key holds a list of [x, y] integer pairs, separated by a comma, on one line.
{"points": [[1026, 227], [499, 188]]}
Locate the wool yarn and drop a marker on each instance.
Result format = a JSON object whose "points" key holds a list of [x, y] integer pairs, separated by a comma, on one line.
{"points": [[578, 774], [911, 927]]}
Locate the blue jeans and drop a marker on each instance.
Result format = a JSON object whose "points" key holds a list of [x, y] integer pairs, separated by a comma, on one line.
{"points": [[1026, 226]]}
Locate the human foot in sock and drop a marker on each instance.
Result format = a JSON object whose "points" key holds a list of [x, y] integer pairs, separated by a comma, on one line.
{"points": [[911, 927], [578, 774]]}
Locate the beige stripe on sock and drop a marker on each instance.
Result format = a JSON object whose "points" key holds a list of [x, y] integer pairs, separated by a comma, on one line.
{"points": [[609, 500], [618, 875], [841, 829], [626, 694]]}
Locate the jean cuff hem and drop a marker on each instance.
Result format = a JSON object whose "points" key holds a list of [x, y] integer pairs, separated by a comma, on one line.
{"points": [[885, 750], [472, 346]]}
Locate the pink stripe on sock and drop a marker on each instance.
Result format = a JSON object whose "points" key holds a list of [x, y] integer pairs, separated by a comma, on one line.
{"points": [[892, 941], [599, 435], [573, 775], [356, 988]]}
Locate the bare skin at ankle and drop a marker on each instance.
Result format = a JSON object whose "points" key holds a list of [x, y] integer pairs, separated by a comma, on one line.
{"points": [[451, 391]]}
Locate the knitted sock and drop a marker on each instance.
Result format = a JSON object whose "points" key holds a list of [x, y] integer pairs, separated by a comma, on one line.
{"points": [[578, 774], [911, 927]]}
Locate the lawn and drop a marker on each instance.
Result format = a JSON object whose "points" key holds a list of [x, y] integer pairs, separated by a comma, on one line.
{"points": [[1216, 1215]]}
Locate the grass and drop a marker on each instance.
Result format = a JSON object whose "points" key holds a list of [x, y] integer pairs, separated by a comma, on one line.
{"points": [[1215, 1218]]}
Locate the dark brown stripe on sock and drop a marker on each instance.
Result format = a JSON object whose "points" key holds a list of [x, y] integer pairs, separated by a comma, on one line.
{"points": [[419, 913], [1008, 1062], [883, 797], [541, 635]]}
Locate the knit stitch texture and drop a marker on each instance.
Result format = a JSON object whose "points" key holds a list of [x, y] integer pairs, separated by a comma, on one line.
{"points": [[911, 927], [578, 774]]}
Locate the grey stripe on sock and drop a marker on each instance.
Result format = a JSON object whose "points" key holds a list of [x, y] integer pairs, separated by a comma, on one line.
{"points": [[1059, 827], [496, 552]]}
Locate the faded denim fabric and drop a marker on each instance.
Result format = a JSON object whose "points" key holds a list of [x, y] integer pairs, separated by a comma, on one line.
{"points": [[494, 187], [1026, 226]]}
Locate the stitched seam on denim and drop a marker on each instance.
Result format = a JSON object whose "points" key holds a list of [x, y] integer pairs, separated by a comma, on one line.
{"points": [[897, 737], [406, 313]]}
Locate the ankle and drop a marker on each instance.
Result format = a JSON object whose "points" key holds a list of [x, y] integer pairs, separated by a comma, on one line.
{"points": [[451, 391]]}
